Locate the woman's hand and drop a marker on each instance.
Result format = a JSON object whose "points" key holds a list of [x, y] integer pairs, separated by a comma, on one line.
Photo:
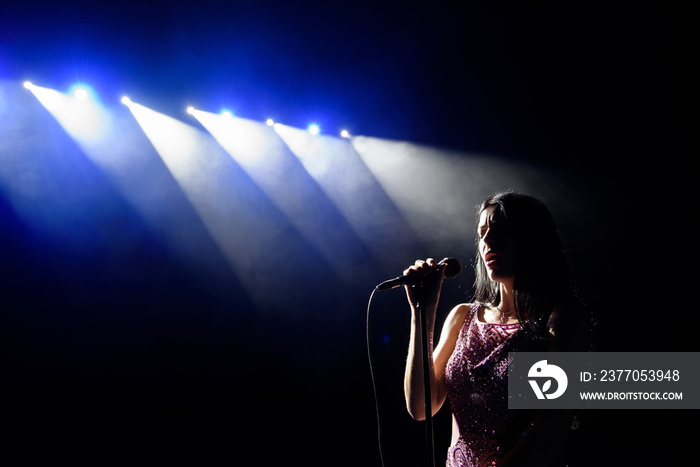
{"points": [[426, 293], [423, 298]]}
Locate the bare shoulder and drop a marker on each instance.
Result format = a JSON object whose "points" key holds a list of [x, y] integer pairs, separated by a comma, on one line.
{"points": [[455, 320], [450, 332]]}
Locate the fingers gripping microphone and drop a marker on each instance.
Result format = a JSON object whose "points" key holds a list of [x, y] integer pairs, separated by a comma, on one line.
{"points": [[452, 269]]}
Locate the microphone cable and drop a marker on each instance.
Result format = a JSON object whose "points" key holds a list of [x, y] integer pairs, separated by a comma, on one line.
{"points": [[374, 382]]}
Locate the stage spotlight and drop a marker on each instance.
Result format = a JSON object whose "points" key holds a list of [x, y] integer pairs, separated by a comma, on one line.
{"points": [[226, 114], [28, 84], [314, 129], [270, 122], [344, 134], [83, 118], [81, 94], [126, 100], [190, 110]]}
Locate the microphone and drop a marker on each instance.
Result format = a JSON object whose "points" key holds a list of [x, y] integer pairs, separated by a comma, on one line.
{"points": [[452, 269]]}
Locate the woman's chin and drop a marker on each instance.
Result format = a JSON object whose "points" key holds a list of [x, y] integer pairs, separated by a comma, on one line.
{"points": [[500, 276]]}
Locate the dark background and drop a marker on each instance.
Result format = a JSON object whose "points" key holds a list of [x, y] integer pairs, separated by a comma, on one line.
{"points": [[114, 350]]}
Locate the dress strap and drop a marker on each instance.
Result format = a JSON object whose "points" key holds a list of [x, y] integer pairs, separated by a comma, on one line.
{"points": [[471, 316]]}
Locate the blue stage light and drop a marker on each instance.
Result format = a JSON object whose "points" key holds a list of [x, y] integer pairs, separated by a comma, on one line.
{"points": [[81, 91], [270, 122], [81, 94], [344, 134], [314, 129]]}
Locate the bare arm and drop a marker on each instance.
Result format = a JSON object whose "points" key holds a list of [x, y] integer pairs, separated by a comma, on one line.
{"points": [[424, 299]]}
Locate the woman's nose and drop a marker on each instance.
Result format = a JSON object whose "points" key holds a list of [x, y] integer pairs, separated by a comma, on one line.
{"points": [[490, 236]]}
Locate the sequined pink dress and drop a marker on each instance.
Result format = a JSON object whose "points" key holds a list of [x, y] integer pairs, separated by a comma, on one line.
{"points": [[477, 383]]}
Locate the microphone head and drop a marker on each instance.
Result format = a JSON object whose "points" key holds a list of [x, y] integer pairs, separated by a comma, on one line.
{"points": [[453, 267]]}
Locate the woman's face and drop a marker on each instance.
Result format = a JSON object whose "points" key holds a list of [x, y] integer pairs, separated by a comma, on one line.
{"points": [[496, 245]]}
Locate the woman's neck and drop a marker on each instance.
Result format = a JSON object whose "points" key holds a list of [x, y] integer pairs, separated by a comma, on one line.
{"points": [[507, 303]]}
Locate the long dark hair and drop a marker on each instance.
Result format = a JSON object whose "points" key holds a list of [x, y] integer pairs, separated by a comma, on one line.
{"points": [[543, 280]]}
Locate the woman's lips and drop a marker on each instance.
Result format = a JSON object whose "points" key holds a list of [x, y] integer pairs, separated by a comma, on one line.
{"points": [[491, 258]]}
